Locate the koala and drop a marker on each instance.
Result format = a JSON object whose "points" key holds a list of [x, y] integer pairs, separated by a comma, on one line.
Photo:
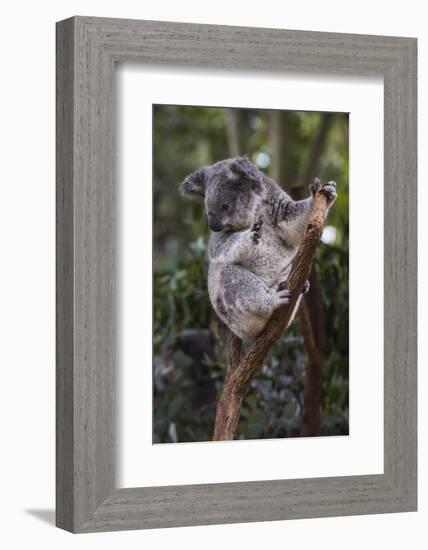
{"points": [[256, 229]]}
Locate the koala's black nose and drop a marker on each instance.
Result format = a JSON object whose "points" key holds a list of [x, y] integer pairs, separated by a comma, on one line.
{"points": [[214, 223]]}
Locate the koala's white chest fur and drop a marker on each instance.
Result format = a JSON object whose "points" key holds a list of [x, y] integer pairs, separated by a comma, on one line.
{"points": [[270, 258]]}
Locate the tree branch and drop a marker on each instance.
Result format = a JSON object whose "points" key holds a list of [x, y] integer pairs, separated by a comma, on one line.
{"points": [[234, 345], [239, 376]]}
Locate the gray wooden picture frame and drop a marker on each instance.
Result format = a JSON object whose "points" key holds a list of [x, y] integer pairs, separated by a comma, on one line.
{"points": [[87, 50]]}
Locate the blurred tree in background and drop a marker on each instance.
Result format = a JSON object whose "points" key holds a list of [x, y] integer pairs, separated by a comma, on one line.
{"points": [[298, 392]]}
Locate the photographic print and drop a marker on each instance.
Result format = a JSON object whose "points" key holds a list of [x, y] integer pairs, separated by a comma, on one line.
{"points": [[233, 191], [239, 414]]}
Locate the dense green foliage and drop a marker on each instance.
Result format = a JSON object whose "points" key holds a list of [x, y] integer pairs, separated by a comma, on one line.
{"points": [[189, 340]]}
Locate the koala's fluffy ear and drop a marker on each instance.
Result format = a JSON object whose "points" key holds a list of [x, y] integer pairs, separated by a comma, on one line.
{"points": [[245, 169], [195, 183]]}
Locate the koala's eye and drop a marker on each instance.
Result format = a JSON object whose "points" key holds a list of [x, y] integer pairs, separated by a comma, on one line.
{"points": [[225, 207]]}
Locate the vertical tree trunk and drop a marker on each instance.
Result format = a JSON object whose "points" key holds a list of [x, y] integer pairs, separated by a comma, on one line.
{"points": [[311, 418], [237, 130], [278, 145]]}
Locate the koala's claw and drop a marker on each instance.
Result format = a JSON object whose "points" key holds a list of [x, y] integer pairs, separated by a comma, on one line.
{"points": [[282, 297], [306, 287], [258, 225], [255, 231], [285, 294], [329, 190]]}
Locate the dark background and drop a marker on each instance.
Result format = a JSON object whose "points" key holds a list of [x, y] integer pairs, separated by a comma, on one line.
{"points": [[189, 340]]}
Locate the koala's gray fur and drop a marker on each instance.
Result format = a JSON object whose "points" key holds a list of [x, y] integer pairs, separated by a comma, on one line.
{"points": [[256, 229]]}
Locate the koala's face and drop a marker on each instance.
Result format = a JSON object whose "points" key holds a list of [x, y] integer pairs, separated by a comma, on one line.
{"points": [[231, 190]]}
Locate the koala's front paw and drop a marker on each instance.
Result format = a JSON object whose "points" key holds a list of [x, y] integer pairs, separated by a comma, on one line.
{"points": [[256, 230], [315, 185], [329, 190], [281, 297]]}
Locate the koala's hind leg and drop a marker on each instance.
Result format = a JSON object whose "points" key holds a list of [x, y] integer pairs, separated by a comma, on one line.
{"points": [[244, 302], [304, 291]]}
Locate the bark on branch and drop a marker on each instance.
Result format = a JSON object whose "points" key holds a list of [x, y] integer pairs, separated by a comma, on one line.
{"points": [[240, 372]]}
